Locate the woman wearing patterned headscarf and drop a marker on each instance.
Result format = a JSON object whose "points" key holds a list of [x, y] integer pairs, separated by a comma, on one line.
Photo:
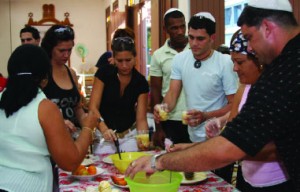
{"points": [[257, 174]]}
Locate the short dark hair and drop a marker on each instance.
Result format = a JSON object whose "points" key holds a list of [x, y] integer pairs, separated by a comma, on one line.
{"points": [[252, 16], [120, 44], [29, 29], [200, 22], [54, 35], [27, 66], [174, 14]]}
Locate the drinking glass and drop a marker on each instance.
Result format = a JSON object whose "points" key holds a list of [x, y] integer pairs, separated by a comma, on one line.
{"points": [[142, 139]]}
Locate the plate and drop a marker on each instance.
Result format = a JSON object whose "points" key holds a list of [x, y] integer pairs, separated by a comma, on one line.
{"points": [[120, 186], [107, 160], [198, 177], [88, 177], [87, 162]]}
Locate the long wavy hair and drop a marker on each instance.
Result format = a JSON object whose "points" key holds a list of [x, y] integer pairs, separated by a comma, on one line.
{"points": [[27, 66]]}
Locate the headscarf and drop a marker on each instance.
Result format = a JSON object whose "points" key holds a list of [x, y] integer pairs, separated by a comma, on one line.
{"points": [[240, 44]]}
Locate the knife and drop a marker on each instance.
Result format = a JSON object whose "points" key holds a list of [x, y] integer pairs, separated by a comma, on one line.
{"points": [[117, 144]]}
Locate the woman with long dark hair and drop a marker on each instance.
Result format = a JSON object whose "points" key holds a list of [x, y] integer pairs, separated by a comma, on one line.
{"points": [[62, 87], [32, 127]]}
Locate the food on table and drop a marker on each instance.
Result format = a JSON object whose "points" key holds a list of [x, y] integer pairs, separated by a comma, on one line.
{"points": [[82, 170], [119, 180], [189, 175], [104, 186], [92, 170]]}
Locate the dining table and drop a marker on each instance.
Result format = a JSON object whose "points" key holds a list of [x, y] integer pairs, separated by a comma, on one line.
{"points": [[69, 183]]}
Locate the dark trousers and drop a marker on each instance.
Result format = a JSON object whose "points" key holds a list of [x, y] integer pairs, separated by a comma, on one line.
{"points": [[225, 172], [176, 131]]}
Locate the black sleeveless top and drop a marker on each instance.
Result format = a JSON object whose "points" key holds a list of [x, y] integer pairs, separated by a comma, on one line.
{"points": [[66, 100]]}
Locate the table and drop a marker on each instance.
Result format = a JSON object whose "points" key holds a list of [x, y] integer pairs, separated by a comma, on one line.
{"points": [[67, 183]]}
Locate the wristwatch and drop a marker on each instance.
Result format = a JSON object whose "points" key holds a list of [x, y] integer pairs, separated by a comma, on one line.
{"points": [[153, 161], [100, 119]]}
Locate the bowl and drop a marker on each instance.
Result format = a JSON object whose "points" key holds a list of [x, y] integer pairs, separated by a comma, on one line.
{"points": [[159, 181], [127, 158]]}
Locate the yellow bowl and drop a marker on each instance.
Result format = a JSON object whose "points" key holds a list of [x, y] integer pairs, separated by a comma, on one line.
{"points": [[127, 158]]}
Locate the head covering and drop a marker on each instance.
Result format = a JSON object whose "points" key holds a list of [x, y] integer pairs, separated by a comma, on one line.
{"points": [[206, 15], [280, 5], [240, 44], [170, 11]]}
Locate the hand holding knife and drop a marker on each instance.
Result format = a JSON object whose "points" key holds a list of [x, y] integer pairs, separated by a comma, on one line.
{"points": [[117, 144]]}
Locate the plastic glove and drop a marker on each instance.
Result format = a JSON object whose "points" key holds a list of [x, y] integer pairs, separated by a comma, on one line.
{"points": [[168, 144], [213, 127]]}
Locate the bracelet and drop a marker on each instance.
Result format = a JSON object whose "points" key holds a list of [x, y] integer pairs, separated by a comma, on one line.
{"points": [[153, 162], [92, 130]]}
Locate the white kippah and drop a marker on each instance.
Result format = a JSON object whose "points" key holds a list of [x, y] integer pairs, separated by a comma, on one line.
{"points": [[206, 15], [280, 5], [171, 10]]}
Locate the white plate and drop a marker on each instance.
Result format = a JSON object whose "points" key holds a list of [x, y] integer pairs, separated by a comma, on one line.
{"points": [[120, 186], [87, 162], [89, 177], [198, 177], [107, 160]]}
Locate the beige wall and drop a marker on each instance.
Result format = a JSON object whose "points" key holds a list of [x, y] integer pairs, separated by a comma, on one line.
{"points": [[88, 18], [5, 45]]}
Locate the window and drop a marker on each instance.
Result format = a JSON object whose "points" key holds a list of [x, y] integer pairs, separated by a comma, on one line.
{"points": [[227, 16], [233, 9], [237, 12]]}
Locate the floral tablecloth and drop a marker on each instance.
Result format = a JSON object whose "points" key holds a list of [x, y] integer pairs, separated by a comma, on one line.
{"points": [[67, 183]]}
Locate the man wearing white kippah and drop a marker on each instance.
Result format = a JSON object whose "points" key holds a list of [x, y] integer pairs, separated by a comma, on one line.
{"points": [[271, 112], [205, 76]]}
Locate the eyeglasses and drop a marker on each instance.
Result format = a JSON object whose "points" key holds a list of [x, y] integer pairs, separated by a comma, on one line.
{"points": [[63, 32], [197, 64], [123, 39]]}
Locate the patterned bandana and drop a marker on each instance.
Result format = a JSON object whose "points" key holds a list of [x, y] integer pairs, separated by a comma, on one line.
{"points": [[239, 44]]}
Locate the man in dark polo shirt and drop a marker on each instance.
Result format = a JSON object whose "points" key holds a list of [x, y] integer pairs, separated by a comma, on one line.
{"points": [[271, 113]]}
